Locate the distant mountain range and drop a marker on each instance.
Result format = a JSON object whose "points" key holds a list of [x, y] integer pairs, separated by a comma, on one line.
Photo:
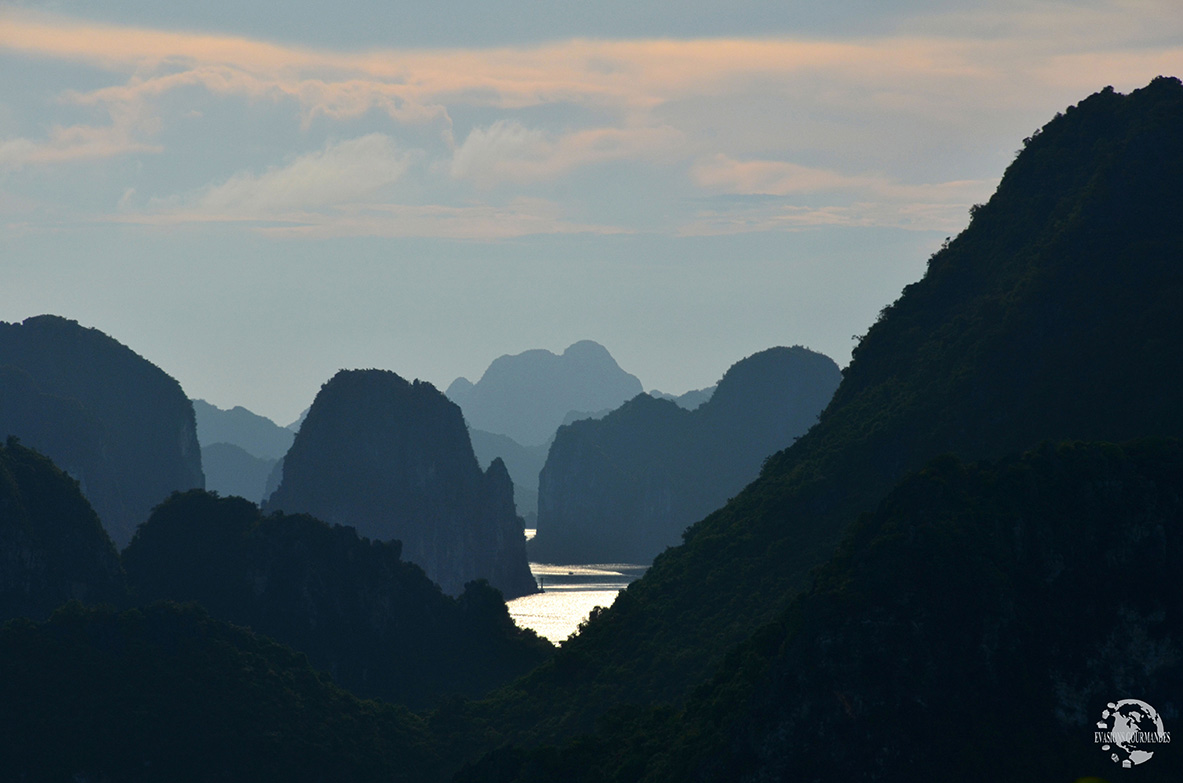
{"points": [[239, 449], [526, 396], [623, 487], [256, 435], [110, 418]]}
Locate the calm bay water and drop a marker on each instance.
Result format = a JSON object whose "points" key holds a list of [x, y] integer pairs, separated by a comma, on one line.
{"points": [[569, 594]]}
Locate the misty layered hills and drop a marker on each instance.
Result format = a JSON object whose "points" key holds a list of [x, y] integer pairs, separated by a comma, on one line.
{"points": [[105, 415], [1044, 584], [53, 549], [1053, 316], [393, 460], [166, 693], [230, 470], [239, 449], [526, 396], [688, 400], [623, 488], [257, 435], [375, 622]]}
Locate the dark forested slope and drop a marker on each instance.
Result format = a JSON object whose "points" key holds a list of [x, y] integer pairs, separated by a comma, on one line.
{"points": [[166, 693], [372, 620], [974, 628], [52, 547]]}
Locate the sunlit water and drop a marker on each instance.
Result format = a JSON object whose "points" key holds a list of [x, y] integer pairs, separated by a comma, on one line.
{"points": [[569, 594]]}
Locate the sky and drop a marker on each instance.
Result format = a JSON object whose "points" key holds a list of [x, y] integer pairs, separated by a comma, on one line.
{"points": [[255, 195]]}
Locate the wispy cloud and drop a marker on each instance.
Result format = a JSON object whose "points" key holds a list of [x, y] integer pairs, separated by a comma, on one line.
{"points": [[507, 151], [341, 173]]}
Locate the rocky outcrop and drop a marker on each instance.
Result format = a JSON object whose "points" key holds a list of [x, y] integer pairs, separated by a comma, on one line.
{"points": [[624, 487], [52, 547], [392, 459], [527, 395], [107, 416]]}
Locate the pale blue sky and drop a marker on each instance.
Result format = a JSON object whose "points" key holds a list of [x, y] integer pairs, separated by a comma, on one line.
{"points": [[254, 195]]}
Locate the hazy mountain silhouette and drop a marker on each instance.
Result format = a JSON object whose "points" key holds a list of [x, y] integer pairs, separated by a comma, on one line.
{"points": [[230, 470], [53, 549], [256, 435], [623, 488], [526, 396], [135, 438], [393, 460], [372, 620], [1053, 316], [688, 400], [295, 425], [522, 462]]}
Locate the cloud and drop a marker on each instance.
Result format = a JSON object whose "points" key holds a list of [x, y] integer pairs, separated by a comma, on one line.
{"points": [[481, 222], [341, 173], [719, 115], [507, 151], [64, 144], [724, 174]]}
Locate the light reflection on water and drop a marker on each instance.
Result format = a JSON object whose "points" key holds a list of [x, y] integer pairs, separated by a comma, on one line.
{"points": [[570, 593]]}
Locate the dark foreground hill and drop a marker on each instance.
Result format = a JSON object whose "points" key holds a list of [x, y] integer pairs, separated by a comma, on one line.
{"points": [[393, 460], [1053, 316], [105, 415], [375, 622], [527, 395], [166, 693], [974, 628], [624, 487], [52, 547]]}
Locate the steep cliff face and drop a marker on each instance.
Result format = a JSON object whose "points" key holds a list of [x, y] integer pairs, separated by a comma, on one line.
{"points": [[393, 460], [360, 612], [137, 439], [624, 487], [52, 547], [527, 395]]}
